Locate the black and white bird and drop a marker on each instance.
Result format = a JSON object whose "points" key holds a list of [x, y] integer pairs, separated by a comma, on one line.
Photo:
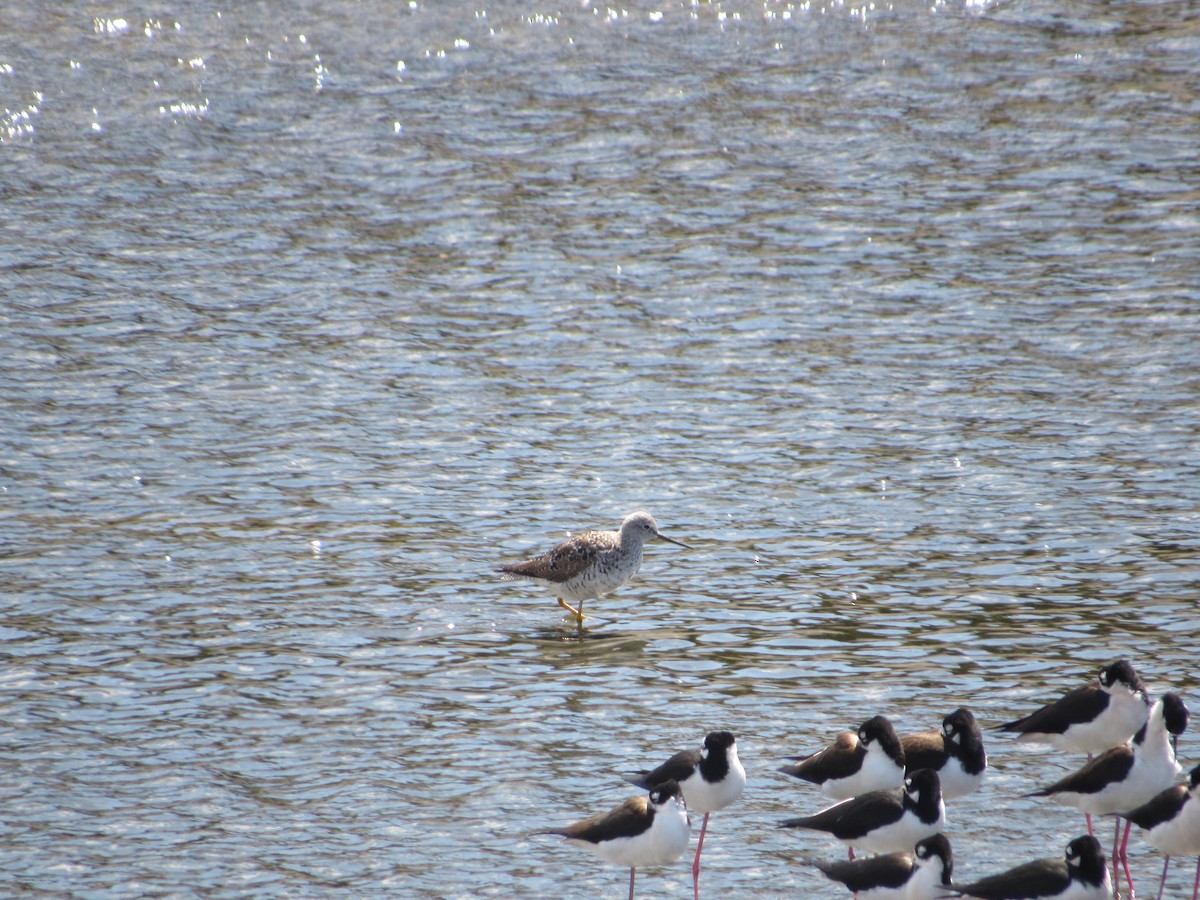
{"points": [[711, 779], [1090, 719], [1082, 875], [922, 874], [956, 753], [883, 821], [1129, 775], [650, 830], [1171, 822], [871, 760]]}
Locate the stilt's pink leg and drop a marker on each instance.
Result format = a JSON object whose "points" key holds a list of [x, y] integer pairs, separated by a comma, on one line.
{"points": [[1086, 815], [1163, 881], [1116, 859], [696, 861], [631, 871], [1125, 857]]}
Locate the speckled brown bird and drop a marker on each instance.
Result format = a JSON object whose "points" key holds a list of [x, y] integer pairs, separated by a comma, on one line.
{"points": [[592, 563]]}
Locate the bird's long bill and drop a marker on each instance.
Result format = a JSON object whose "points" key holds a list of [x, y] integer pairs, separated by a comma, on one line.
{"points": [[673, 541]]}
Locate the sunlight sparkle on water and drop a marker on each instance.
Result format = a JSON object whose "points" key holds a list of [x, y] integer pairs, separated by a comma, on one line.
{"points": [[183, 108], [110, 26], [18, 123]]}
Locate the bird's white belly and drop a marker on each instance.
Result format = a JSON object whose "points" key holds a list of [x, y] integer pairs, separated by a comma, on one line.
{"points": [[704, 797], [664, 843], [1180, 836], [900, 836], [925, 883], [956, 782], [1124, 716], [883, 893], [607, 573]]}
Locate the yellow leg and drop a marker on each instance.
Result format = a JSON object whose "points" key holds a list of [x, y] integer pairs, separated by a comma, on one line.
{"points": [[577, 613]]}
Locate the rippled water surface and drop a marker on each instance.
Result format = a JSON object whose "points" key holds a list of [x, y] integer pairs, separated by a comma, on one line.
{"points": [[312, 313]]}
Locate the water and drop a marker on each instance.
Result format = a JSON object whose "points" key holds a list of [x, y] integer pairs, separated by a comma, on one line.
{"points": [[313, 313]]}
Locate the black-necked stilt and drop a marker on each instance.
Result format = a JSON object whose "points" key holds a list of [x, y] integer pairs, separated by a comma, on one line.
{"points": [[956, 753], [1171, 821], [883, 821], [592, 563], [1127, 776], [1082, 875], [650, 830], [711, 778], [1090, 719], [871, 760], [922, 874]]}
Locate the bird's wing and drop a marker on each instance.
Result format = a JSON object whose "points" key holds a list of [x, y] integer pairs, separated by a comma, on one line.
{"points": [[1109, 767], [891, 870], [678, 768], [853, 818], [1040, 878], [565, 561], [924, 750], [1163, 807], [1080, 705], [627, 820], [840, 759]]}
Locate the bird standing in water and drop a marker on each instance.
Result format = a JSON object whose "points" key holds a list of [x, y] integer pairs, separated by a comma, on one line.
{"points": [[871, 760], [1171, 820], [956, 753], [1081, 875], [651, 830], [711, 778], [923, 874], [592, 563], [1092, 718], [884, 821]]}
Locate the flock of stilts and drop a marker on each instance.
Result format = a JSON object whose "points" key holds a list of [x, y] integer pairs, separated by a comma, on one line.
{"points": [[892, 790]]}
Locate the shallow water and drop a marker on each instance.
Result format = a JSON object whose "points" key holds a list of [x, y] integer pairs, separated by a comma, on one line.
{"points": [[313, 313]]}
